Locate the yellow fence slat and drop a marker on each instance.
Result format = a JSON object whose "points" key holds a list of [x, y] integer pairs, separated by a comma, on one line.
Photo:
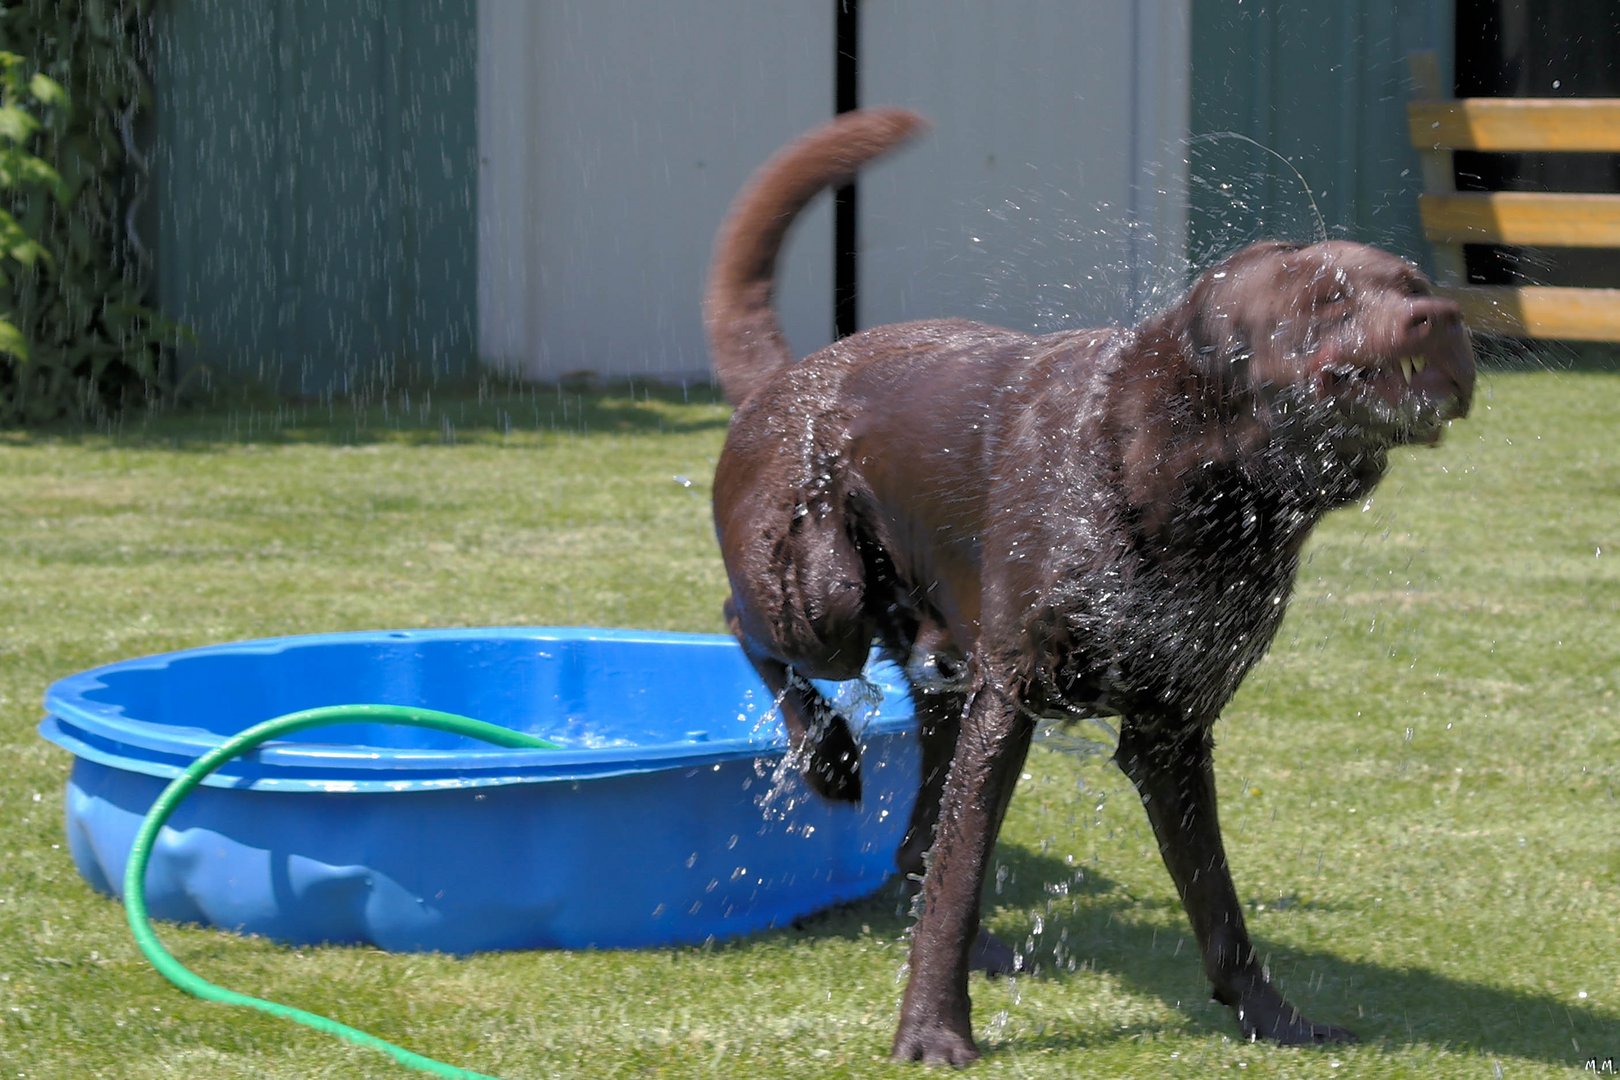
{"points": [[1530, 218], [1516, 124], [1541, 311]]}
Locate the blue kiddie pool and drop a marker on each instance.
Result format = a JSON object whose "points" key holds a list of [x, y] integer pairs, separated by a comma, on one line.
{"points": [[665, 816]]}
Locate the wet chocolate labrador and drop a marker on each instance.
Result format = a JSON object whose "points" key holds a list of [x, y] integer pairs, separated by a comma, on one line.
{"points": [[1095, 522]]}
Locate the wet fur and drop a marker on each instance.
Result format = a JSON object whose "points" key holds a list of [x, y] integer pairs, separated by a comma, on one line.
{"points": [[1102, 521]]}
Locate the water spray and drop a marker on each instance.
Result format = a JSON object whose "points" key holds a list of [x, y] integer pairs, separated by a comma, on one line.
{"points": [[1316, 211]]}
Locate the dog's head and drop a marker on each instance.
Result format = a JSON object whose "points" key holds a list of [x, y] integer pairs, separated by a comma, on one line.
{"points": [[1347, 338]]}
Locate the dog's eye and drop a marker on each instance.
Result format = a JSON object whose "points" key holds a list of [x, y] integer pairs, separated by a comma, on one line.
{"points": [[1335, 290], [1331, 296]]}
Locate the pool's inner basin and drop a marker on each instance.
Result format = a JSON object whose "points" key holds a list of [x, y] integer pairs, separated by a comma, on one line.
{"points": [[664, 816]]}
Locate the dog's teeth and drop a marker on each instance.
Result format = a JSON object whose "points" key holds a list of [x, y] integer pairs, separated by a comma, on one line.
{"points": [[1406, 368], [1419, 363]]}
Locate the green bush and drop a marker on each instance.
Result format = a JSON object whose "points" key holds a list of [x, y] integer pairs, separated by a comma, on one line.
{"points": [[75, 339], [21, 172]]}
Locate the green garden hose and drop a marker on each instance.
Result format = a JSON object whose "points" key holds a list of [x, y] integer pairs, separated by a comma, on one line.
{"points": [[141, 853]]}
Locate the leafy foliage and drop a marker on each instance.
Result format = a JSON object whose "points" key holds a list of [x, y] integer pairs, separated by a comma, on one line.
{"points": [[75, 339], [21, 170]]}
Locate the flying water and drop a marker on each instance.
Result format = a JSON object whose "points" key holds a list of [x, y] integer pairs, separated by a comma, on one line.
{"points": [[857, 700]]}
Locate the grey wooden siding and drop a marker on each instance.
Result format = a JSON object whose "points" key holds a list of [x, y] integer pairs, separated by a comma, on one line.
{"points": [[314, 174], [350, 191], [1322, 83]]}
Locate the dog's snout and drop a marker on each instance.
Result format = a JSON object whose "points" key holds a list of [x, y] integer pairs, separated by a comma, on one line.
{"points": [[1434, 331], [1432, 314]]}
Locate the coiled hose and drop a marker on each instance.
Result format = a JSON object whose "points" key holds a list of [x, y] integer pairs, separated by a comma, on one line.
{"points": [[280, 727]]}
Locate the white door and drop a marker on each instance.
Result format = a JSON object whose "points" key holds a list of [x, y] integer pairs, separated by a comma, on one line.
{"points": [[612, 134], [1051, 193]]}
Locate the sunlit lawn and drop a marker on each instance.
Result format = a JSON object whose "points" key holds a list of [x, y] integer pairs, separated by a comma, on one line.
{"points": [[1421, 784]]}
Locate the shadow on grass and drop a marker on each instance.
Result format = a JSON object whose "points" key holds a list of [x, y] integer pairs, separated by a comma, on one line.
{"points": [[459, 415], [1384, 1004]]}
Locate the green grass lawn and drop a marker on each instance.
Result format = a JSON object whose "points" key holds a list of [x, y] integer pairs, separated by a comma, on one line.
{"points": [[1421, 783]]}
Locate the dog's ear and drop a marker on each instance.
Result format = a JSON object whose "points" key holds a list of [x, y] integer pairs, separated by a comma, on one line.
{"points": [[1216, 316], [1218, 343]]}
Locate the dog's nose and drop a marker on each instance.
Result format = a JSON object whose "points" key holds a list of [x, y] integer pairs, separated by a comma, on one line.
{"points": [[1431, 314]]}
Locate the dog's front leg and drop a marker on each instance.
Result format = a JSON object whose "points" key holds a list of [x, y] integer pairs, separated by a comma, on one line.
{"points": [[935, 1017], [1173, 771]]}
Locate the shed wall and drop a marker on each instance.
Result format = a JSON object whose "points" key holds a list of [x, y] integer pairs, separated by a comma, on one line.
{"points": [[612, 136], [344, 192], [314, 178], [1052, 192], [1299, 120]]}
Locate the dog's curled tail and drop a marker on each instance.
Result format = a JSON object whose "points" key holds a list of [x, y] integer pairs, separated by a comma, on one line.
{"points": [[739, 310]]}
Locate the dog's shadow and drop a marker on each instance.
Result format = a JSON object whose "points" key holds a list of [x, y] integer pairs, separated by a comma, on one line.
{"points": [[1096, 927]]}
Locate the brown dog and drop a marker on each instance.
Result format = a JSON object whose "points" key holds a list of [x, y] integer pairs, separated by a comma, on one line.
{"points": [[1102, 522]]}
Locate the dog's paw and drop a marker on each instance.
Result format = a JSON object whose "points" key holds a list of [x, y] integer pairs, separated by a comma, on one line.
{"points": [[1298, 1031], [1266, 1016], [934, 1044], [832, 767], [832, 780]]}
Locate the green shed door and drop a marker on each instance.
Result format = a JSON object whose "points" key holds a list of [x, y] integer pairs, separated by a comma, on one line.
{"points": [[1324, 84], [314, 172]]}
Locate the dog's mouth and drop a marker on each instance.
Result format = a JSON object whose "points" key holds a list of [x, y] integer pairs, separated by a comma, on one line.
{"points": [[1407, 398]]}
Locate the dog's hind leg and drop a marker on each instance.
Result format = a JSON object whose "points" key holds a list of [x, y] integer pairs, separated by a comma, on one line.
{"points": [[1174, 774], [818, 734], [799, 609]]}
